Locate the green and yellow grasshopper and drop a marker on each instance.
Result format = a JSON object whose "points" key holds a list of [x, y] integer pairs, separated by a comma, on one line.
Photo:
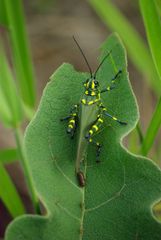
{"points": [[89, 114]]}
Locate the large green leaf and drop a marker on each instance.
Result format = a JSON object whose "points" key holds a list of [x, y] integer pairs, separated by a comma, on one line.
{"points": [[120, 191]]}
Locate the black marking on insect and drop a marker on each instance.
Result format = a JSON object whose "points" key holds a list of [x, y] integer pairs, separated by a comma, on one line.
{"points": [[89, 114]]}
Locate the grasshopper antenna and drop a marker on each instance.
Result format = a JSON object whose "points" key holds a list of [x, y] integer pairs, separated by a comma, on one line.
{"points": [[83, 55], [101, 64]]}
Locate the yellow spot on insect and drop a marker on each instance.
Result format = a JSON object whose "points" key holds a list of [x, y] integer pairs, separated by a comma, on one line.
{"points": [[104, 109], [72, 121], [86, 92], [91, 132], [70, 126], [90, 140], [93, 85], [100, 120], [95, 127], [83, 101], [93, 93], [114, 118], [90, 103]]}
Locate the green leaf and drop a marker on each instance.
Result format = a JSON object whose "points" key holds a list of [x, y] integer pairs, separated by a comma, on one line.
{"points": [[136, 47], [8, 155], [120, 191], [20, 48], [10, 110], [9, 194]]}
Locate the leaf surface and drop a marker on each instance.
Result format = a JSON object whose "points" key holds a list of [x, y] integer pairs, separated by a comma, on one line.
{"points": [[120, 191]]}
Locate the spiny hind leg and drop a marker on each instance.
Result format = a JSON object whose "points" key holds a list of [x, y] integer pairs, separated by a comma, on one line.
{"points": [[72, 120], [94, 129]]}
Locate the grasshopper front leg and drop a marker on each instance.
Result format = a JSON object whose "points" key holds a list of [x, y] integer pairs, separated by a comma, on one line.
{"points": [[104, 112], [113, 80]]}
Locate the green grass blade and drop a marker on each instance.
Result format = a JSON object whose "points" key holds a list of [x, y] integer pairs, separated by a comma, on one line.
{"points": [[3, 19], [152, 130], [20, 48], [10, 112], [158, 2], [153, 30], [136, 47], [28, 112], [5, 113], [9, 194], [8, 155]]}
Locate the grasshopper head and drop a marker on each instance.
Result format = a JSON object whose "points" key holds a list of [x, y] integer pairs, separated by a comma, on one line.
{"points": [[91, 84]]}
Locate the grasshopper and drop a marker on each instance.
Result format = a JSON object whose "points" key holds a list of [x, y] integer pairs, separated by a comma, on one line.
{"points": [[89, 114]]}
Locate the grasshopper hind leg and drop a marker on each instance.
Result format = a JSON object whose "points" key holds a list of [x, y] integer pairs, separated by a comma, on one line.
{"points": [[98, 151], [98, 148], [72, 121], [93, 130]]}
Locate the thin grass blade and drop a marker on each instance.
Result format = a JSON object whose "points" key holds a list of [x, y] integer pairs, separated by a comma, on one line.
{"points": [[153, 30], [8, 155], [20, 48], [9, 194], [10, 111], [3, 19], [152, 130], [158, 3]]}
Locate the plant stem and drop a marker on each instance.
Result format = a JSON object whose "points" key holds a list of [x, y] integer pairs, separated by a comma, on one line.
{"points": [[35, 201]]}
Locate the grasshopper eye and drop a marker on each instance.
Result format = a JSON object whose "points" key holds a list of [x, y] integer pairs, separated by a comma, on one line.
{"points": [[96, 82], [85, 83]]}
